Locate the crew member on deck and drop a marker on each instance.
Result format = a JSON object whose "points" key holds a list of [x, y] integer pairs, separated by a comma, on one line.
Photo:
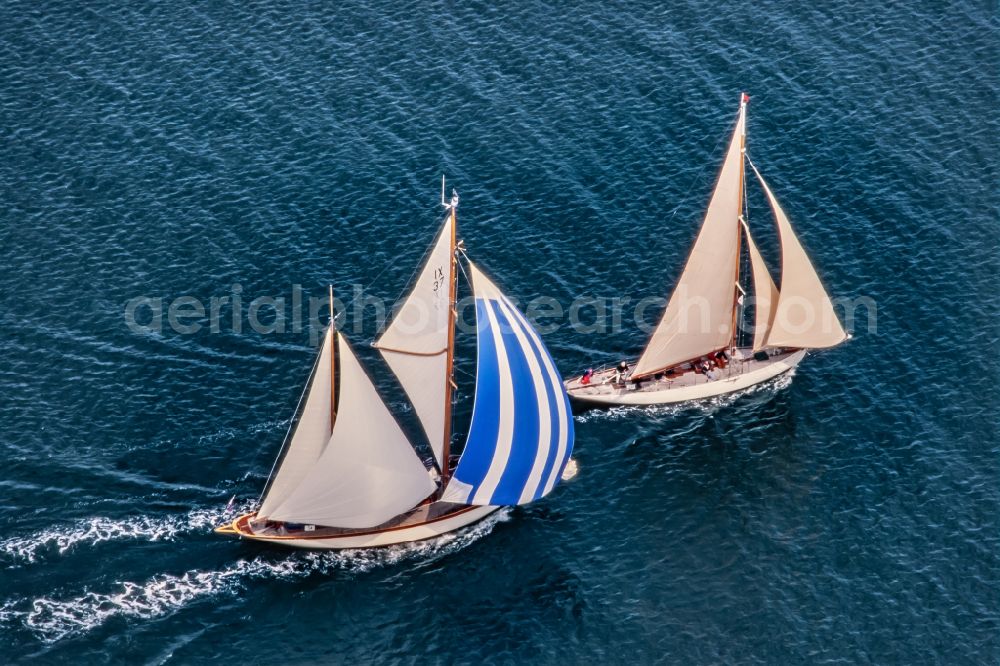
{"points": [[620, 372]]}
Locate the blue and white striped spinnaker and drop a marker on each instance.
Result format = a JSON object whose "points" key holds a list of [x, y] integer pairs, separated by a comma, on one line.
{"points": [[522, 429]]}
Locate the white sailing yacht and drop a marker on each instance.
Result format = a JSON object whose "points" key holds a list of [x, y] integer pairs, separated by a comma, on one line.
{"points": [[350, 478], [695, 350]]}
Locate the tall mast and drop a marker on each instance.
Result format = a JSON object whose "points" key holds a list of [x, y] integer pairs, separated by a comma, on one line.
{"points": [[450, 362], [744, 98], [333, 347]]}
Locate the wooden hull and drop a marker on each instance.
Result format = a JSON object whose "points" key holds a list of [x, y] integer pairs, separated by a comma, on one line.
{"points": [[739, 375], [425, 522]]}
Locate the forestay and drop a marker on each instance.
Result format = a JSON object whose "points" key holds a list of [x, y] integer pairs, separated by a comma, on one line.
{"points": [[311, 432], [368, 472], [804, 316], [698, 318], [522, 429], [415, 344]]}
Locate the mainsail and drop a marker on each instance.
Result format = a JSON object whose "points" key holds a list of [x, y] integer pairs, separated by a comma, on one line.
{"points": [[415, 344], [765, 293], [311, 432], [522, 429], [699, 316], [368, 472], [804, 316]]}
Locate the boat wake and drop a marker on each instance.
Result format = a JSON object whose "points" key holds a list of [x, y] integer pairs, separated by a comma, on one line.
{"points": [[53, 619], [706, 406], [91, 531]]}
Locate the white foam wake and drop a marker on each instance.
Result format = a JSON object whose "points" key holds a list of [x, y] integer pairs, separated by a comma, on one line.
{"points": [[61, 539], [54, 619]]}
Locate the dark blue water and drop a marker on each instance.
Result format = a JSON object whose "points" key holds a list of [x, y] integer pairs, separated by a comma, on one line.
{"points": [[848, 514]]}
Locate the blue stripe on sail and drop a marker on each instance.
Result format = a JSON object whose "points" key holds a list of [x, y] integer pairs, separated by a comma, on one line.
{"points": [[524, 443], [546, 451], [555, 425], [482, 446], [555, 391], [485, 428]]}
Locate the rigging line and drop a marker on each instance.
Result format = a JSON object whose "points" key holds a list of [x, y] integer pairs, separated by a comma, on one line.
{"points": [[752, 165], [305, 389], [461, 251], [698, 177], [365, 288], [385, 267], [745, 260], [418, 266], [288, 432]]}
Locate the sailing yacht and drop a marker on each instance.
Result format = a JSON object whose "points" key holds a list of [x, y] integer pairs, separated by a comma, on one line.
{"points": [[348, 477], [696, 350]]}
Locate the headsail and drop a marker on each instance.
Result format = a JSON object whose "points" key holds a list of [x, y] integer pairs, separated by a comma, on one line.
{"points": [[522, 429], [415, 344], [765, 293], [368, 472], [698, 318], [804, 316], [311, 432]]}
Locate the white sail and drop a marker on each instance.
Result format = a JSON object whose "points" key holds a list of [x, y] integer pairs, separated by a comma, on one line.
{"points": [[699, 316], [311, 433], [415, 344], [804, 316], [765, 294], [368, 472]]}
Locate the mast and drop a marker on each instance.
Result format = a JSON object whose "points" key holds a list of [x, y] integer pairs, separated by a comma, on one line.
{"points": [[333, 347], [709, 276], [450, 362], [416, 342], [744, 98]]}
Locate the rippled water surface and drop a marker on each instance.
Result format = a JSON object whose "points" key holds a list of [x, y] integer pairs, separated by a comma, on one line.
{"points": [[846, 514]]}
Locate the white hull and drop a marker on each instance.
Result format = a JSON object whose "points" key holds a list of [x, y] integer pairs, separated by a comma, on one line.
{"points": [[739, 375], [415, 527]]}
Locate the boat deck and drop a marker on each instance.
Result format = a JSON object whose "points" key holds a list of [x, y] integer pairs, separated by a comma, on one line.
{"points": [[428, 512], [681, 376]]}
